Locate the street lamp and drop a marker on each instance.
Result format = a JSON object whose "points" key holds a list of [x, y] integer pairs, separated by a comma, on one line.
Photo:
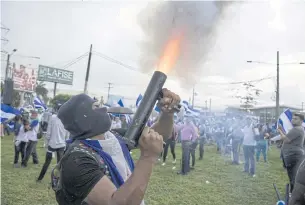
{"points": [[277, 78], [8, 62]]}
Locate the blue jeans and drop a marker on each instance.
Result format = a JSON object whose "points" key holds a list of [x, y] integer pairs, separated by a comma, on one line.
{"points": [[262, 147], [249, 152]]}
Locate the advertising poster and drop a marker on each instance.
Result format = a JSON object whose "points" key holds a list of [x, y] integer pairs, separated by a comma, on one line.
{"points": [[24, 78]]}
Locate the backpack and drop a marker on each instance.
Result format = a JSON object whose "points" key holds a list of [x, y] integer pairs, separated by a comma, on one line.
{"points": [[63, 197]]}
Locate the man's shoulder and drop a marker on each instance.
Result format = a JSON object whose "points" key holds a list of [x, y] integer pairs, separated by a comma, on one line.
{"points": [[80, 150]]}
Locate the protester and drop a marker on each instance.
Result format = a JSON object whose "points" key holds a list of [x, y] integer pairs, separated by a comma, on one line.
{"points": [[262, 144], [124, 124], [97, 167], [202, 140], [171, 142], [32, 141], [56, 141], [194, 146], [249, 144], [188, 131], [116, 123], [46, 116], [292, 149], [236, 137], [20, 139]]}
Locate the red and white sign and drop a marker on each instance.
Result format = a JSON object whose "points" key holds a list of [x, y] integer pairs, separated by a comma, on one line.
{"points": [[24, 78]]}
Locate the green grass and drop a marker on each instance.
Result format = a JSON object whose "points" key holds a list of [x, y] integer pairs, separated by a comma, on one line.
{"points": [[228, 185]]}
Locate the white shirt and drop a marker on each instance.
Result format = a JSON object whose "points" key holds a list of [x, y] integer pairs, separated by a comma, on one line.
{"points": [[56, 133], [249, 136], [22, 136], [116, 125], [32, 134]]}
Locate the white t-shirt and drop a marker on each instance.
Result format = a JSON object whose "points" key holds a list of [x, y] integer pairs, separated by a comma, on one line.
{"points": [[249, 136]]}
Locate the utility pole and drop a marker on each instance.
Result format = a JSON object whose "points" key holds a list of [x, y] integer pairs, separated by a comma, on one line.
{"points": [[193, 96], [206, 108], [277, 111], [88, 71], [55, 88], [7, 66], [210, 104], [109, 87], [302, 106]]}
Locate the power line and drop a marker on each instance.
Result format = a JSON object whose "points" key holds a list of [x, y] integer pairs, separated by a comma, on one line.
{"points": [[68, 63], [115, 61]]}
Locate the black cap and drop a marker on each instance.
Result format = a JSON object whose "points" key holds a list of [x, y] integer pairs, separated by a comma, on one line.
{"points": [[81, 119]]}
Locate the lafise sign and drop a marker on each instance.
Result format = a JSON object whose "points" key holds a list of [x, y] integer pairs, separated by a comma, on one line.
{"points": [[50, 74]]}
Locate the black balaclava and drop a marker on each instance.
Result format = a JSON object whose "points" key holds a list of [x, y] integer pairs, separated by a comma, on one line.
{"points": [[81, 120]]}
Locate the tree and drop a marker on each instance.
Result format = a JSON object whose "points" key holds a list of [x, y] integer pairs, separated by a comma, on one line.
{"points": [[249, 97], [62, 98], [42, 91]]}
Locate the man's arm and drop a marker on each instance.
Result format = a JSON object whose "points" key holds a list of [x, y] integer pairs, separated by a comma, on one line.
{"points": [[89, 182], [164, 125], [291, 135]]}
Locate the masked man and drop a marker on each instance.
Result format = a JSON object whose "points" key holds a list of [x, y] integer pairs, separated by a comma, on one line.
{"points": [[97, 168]]}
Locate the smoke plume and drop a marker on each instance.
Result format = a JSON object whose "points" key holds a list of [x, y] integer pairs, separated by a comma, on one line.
{"points": [[195, 20]]}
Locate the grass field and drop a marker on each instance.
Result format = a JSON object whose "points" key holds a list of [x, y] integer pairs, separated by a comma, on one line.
{"points": [[228, 185]]}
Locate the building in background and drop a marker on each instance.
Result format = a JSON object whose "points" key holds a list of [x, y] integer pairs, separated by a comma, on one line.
{"points": [[266, 113]]}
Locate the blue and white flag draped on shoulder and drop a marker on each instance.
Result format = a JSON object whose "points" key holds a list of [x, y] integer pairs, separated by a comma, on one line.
{"points": [[8, 112], [285, 121], [116, 177], [190, 111], [38, 103]]}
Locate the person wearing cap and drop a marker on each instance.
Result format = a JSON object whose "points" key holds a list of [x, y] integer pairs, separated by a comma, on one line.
{"points": [[55, 141], [97, 168], [292, 148]]}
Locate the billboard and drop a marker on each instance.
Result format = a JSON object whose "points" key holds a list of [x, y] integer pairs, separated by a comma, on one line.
{"points": [[49, 74], [24, 78]]}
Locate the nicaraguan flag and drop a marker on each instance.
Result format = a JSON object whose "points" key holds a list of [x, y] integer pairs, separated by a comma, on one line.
{"points": [[38, 103], [190, 111], [285, 121], [8, 112], [120, 102], [140, 97]]}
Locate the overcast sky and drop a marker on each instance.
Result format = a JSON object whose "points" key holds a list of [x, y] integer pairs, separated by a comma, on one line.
{"points": [[60, 32]]}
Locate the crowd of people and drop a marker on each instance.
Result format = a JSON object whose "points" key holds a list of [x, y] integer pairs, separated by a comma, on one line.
{"points": [[88, 145]]}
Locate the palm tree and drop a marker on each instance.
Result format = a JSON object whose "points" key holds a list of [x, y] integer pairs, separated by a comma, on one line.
{"points": [[42, 91]]}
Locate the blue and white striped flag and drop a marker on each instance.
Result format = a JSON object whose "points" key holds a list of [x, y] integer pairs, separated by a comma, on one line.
{"points": [[38, 103], [140, 97], [190, 111], [8, 112], [285, 121], [121, 104]]}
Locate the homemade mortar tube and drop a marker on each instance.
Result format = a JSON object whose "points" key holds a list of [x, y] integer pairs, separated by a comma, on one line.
{"points": [[140, 118], [152, 94]]}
